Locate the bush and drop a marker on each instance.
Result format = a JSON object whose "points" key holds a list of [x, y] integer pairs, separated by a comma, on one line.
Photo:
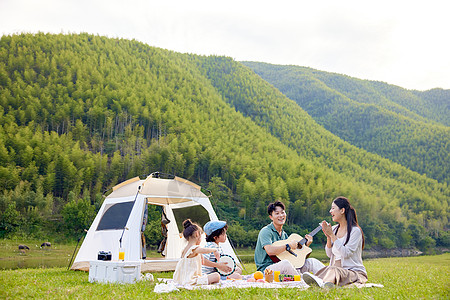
{"points": [[78, 215], [443, 239], [241, 237], [426, 243], [153, 236], [386, 243], [9, 220]]}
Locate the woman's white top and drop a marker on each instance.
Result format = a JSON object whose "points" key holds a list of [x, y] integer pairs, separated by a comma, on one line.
{"points": [[350, 254], [335, 250]]}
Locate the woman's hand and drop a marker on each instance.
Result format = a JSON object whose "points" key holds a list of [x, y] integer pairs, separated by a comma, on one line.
{"points": [[326, 228]]}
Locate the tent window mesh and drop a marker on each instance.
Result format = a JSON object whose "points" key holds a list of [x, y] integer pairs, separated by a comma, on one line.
{"points": [[197, 214], [116, 216]]}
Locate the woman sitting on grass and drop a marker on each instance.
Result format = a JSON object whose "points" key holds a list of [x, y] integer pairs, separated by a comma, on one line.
{"points": [[345, 242], [189, 269], [216, 233]]}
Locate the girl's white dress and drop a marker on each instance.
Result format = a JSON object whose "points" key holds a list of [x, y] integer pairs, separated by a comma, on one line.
{"points": [[189, 270]]}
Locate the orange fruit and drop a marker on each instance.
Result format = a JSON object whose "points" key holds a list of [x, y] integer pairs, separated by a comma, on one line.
{"points": [[258, 275]]}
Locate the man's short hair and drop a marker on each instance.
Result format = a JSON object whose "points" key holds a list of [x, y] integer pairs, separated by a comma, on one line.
{"points": [[273, 206]]}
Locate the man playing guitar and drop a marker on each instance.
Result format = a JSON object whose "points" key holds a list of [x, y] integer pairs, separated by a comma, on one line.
{"points": [[274, 232]]}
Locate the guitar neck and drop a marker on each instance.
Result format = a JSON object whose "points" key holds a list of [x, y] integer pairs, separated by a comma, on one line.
{"points": [[312, 233]]}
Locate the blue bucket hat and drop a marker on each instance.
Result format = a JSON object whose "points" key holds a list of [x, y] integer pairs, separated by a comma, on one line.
{"points": [[212, 226]]}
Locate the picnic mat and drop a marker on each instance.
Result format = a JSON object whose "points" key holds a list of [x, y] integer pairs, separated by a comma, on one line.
{"points": [[167, 285]]}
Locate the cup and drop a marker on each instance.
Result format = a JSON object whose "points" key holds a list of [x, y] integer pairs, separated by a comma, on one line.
{"points": [[276, 276], [122, 254], [297, 278]]}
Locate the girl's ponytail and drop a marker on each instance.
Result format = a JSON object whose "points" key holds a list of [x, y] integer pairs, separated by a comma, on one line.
{"points": [[350, 216]]}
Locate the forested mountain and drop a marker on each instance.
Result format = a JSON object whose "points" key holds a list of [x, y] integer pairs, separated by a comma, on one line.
{"points": [[81, 113], [438, 102], [407, 127]]}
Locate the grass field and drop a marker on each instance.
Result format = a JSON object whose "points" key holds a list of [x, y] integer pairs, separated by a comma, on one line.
{"points": [[424, 277]]}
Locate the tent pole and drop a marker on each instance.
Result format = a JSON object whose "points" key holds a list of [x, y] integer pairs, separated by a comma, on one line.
{"points": [[234, 249], [79, 239], [126, 228]]}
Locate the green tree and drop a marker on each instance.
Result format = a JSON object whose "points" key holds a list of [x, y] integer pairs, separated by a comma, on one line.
{"points": [[9, 220], [78, 215]]}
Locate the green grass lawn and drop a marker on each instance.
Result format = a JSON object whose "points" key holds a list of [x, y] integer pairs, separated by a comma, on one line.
{"points": [[424, 277]]}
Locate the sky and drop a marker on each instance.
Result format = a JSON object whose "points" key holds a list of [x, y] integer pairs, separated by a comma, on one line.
{"points": [[405, 43]]}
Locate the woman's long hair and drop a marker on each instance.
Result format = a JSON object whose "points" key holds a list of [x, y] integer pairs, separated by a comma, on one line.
{"points": [[350, 216]]}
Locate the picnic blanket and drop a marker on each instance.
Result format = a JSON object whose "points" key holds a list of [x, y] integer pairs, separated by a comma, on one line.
{"points": [[167, 285]]}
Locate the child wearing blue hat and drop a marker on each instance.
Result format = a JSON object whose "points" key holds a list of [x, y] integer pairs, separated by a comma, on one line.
{"points": [[216, 233]]}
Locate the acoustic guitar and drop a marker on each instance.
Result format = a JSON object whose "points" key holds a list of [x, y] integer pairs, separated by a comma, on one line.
{"points": [[297, 256]]}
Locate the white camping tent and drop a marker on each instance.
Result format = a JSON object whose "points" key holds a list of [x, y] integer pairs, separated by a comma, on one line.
{"points": [[125, 208]]}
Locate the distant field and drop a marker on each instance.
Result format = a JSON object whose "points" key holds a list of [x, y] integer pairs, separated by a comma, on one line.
{"points": [[58, 255], [424, 277]]}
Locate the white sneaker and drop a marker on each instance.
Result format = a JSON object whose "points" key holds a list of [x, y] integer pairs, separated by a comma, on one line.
{"points": [[311, 279], [329, 285]]}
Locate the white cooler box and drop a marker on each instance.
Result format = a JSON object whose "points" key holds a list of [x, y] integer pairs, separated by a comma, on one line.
{"points": [[114, 271]]}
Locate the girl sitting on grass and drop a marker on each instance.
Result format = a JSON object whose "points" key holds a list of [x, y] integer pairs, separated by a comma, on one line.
{"points": [[189, 269]]}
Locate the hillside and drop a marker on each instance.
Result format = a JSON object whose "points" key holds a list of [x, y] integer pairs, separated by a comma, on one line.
{"points": [[80, 113], [438, 102], [395, 123]]}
